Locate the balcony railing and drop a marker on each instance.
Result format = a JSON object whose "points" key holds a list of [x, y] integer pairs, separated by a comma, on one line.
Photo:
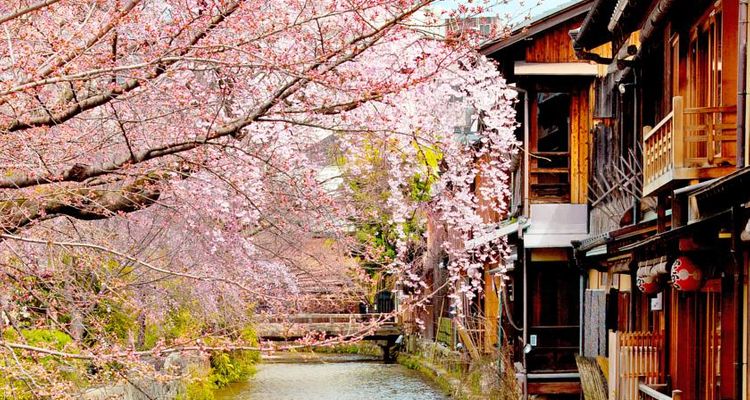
{"points": [[634, 358], [651, 392], [689, 143]]}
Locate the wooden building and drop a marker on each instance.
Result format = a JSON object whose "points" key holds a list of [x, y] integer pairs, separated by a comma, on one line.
{"points": [[540, 301], [666, 292]]}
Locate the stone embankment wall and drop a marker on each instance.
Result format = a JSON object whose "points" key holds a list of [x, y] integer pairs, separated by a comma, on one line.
{"points": [[459, 376], [176, 370]]}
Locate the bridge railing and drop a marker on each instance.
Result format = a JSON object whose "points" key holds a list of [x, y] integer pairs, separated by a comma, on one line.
{"points": [[289, 327], [326, 318]]}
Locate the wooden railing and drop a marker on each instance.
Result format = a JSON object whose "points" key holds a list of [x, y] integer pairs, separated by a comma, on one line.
{"points": [[324, 318], [710, 136], [290, 327], [658, 148], [634, 358], [686, 143], [647, 392]]}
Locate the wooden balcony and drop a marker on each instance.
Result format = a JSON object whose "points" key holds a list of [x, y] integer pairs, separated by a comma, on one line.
{"points": [[689, 143]]}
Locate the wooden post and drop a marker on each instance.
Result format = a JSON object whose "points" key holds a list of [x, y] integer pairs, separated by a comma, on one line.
{"points": [[676, 394], [678, 133], [661, 212], [614, 364], [648, 162], [710, 137]]}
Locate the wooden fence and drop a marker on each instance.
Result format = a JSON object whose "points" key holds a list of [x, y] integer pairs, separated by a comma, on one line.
{"points": [[634, 358], [648, 392]]}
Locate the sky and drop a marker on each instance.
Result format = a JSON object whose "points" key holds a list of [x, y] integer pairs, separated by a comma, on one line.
{"points": [[517, 10]]}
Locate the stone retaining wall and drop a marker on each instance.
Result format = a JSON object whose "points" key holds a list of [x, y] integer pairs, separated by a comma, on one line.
{"points": [[179, 366]]}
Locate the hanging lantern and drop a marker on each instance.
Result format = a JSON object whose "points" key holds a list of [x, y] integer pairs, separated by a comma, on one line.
{"points": [[686, 276], [649, 284]]}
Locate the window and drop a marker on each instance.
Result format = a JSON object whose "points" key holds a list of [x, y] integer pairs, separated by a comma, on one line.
{"points": [[710, 124], [705, 67], [550, 164]]}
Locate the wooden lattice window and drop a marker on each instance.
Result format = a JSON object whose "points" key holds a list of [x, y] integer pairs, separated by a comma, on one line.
{"points": [[705, 62]]}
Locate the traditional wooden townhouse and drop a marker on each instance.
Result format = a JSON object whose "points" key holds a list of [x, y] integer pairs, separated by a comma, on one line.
{"points": [[539, 300], [666, 299]]}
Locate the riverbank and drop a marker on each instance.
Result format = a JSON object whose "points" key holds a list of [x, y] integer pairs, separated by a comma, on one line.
{"points": [[459, 377], [315, 376], [312, 357]]}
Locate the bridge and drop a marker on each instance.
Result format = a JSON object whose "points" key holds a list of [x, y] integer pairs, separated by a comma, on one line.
{"points": [[380, 328]]}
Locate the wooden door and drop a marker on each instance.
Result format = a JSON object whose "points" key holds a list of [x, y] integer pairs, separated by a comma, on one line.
{"points": [[709, 334]]}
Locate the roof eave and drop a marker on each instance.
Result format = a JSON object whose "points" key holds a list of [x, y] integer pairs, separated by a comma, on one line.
{"points": [[593, 31], [536, 27]]}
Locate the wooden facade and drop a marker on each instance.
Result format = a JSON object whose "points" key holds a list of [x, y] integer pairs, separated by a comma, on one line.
{"points": [[542, 320], [667, 120]]}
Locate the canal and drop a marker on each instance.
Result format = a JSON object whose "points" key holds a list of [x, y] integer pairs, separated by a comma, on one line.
{"points": [[327, 377]]}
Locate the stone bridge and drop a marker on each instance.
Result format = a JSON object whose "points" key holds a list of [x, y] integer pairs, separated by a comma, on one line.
{"points": [[381, 328]]}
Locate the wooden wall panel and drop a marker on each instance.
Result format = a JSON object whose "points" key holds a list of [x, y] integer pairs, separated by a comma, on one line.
{"points": [[575, 133], [555, 45], [730, 18], [682, 343], [580, 123], [491, 311]]}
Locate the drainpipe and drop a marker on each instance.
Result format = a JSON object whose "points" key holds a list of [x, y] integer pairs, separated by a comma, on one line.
{"points": [[526, 151], [742, 83], [578, 257], [581, 308], [738, 297], [636, 142], [527, 159], [525, 325], [500, 298], [526, 147]]}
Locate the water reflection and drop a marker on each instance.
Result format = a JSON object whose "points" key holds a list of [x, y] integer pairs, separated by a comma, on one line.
{"points": [[353, 379]]}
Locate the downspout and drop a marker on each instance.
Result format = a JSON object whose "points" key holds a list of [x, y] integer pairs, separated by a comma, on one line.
{"points": [[736, 211], [742, 83], [525, 325], [526, 140], [501, 298], [636, 141], [578, 257], [581, 309], [526, 158], [526, 151], [738, 297]]}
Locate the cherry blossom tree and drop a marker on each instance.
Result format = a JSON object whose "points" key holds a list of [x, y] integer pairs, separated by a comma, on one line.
{"points": [[158, 154]]}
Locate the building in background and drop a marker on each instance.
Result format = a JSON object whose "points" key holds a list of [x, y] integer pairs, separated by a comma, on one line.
{"points": [[487, 26], [666, 293], [540, 301]]}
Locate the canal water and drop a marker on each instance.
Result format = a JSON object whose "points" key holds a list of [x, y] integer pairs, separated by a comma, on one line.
{"points": [[332, 377]]}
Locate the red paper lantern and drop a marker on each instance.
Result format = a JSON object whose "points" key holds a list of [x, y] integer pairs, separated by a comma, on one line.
{"points": [[686, 276], [649, 284]]}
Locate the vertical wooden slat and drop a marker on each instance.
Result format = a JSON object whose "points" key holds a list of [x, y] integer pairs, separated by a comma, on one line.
{"points": [[637, 357], [575, 102], [647, 164], [614, 367], [678, 133]]}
